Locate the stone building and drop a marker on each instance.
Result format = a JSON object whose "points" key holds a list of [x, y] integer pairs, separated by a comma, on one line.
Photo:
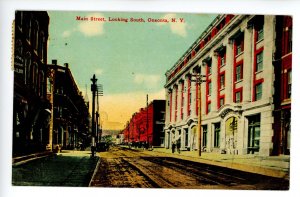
{"points": [[235, 57]]}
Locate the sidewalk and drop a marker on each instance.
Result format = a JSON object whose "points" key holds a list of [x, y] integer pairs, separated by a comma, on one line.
{"points": [[25, 158], [275, 166]]}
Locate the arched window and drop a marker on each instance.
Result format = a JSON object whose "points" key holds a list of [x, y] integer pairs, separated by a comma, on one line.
{"points": [[41, 83], [34, 34], [41, 43], [34, 76], [27, 68], [28, 27]]}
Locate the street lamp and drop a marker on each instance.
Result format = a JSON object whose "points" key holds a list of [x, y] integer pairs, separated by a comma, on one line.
{"points": [[93, 89]]}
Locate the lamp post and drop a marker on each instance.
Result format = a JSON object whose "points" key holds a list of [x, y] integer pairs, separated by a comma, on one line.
{"points": [[93, 89]]}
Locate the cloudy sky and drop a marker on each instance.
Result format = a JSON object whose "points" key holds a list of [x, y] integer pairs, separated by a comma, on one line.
{"points": [[129, 59]]}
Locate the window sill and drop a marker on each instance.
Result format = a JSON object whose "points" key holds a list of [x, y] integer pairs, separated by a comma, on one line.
{"points": [[239, 81], [257, 42], [260, 71], [237, 55]]}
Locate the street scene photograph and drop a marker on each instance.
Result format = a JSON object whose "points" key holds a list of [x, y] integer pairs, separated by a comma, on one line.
{"points": [[151, 100]]}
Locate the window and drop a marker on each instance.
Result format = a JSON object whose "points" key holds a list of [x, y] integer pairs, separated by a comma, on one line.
{"points": [[189, 97], [222, 102], [176, 99], [217, 135], [182, 100], [222, 58], [170, 106], [186, 138], [290, 40], [204, 141], [208, 107], [259, 61], [209, 69], [238, 73], [238, 97], [239, 44], [253, 134], [207, 61], [258, 91], [222, 81], [289, 84], [260, 33], [209, 88]]}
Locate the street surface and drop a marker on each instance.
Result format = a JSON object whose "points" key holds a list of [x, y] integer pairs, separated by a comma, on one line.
{"points": [[64, 169], [121, 167]]}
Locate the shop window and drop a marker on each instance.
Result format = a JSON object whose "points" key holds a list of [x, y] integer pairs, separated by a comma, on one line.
{"points": [[253, 134], [186, 138], [204, 138], [217, 135]]}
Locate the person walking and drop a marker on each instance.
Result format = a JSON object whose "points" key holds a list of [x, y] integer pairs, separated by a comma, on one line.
{"points": [[173, 147], [178, 145]]}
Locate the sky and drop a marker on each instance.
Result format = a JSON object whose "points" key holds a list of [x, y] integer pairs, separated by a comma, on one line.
{"points": [[129, 59]]}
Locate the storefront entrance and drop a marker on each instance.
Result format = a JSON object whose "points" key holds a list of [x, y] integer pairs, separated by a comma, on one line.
{"points": [[231, 135]]}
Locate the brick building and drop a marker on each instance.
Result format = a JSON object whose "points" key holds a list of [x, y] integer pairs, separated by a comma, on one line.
{"points": [[139, 130], [242, 84], [31, 109], [69, 126]]}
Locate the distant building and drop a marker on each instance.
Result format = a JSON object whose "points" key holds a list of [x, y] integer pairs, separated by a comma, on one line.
{"points": [[146, 126], [31, 109], [245, 61], [70, 124]]}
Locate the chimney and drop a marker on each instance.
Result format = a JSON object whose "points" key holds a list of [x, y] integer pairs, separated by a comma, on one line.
{"points": [[54, 62], [66, 65]]}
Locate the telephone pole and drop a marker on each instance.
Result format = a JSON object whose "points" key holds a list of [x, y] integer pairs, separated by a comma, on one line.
{"points": [[199, 81]]}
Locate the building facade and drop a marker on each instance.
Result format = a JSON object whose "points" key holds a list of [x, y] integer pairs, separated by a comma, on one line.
{"points": [[69, 125], [146, 127], [235, 59], [31, 109]]}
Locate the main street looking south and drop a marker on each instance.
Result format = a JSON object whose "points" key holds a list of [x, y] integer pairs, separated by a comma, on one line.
{"points": [[137, 168]]}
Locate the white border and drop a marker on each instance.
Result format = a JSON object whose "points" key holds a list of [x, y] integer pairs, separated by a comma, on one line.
{"points": [[7, 8]]}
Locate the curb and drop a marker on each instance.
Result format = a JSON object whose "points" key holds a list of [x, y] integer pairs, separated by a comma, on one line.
{"points": [[94, 173], [263, 170]]}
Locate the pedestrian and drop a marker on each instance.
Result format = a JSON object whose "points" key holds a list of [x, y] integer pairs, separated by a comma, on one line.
{"points": [[178, 145], [173, 147]]}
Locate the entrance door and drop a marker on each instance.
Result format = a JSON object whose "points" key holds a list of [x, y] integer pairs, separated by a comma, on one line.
{"points": [[231, 135]]}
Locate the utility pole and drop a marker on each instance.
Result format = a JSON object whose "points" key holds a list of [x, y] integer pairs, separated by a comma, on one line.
{"points": [[199, 81], [98, 120], [51, 73], [93, 89], [147, 120]]}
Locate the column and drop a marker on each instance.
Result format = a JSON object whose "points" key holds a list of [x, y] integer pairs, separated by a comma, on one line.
{"points": [[229, 73], [248, 64], [214, 83]]}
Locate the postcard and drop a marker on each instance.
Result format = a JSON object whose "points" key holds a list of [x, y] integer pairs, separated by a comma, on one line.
{"points": [[152, 100]]}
